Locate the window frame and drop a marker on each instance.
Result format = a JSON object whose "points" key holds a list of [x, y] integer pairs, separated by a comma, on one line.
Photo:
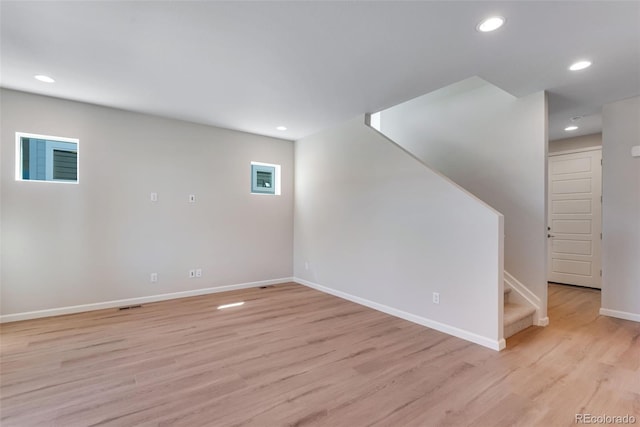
{"points": [[256, 167], [54, 143]]}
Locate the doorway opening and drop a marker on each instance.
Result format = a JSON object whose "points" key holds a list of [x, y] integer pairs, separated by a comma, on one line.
{"points": [[574, 215]]}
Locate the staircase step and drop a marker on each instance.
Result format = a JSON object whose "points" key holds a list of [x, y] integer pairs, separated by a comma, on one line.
{"points": [[516, 318]]}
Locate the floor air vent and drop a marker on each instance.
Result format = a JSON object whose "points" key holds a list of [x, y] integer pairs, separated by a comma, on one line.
{"points": [[129, 307]]}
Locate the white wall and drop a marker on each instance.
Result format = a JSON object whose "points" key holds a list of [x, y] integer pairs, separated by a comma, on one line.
{"points": [[67, 245], [374, 225], [621, 210], [495, 146], [575, 143]]}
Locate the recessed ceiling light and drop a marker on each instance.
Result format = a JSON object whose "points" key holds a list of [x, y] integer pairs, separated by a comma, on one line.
{"points": [[491, 24], [43, 78], [281, 128], [580, 65], [570, 128]]}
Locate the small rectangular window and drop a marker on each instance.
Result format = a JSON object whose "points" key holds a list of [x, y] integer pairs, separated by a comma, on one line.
{"points": [[265, 178], [46, 158]]}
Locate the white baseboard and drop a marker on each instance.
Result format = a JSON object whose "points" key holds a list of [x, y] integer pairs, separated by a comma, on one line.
{"points": [[618, 314], [447, 329], [133, 301], [543, 321]]}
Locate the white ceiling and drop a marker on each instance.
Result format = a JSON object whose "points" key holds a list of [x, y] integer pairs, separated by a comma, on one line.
{"points": [[252, 66]]}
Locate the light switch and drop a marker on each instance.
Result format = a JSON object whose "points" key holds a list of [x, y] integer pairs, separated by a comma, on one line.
{"points": [[635, 151], [154, 197], [192, 198]]}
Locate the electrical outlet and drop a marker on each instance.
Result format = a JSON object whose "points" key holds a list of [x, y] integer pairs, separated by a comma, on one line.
{"points": [[436, 298], [192, 274], [198, 272], [154, 277], [192, 198], [154, 197]]}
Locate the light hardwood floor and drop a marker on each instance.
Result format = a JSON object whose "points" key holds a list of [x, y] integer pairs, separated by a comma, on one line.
{"points": [[294, 356]]}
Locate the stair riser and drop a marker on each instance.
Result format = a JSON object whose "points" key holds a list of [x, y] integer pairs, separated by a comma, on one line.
{"points": [[514, 328]]}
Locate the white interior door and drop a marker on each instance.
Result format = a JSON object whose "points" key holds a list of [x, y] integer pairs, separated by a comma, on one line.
{"points": [[575, 218]]}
